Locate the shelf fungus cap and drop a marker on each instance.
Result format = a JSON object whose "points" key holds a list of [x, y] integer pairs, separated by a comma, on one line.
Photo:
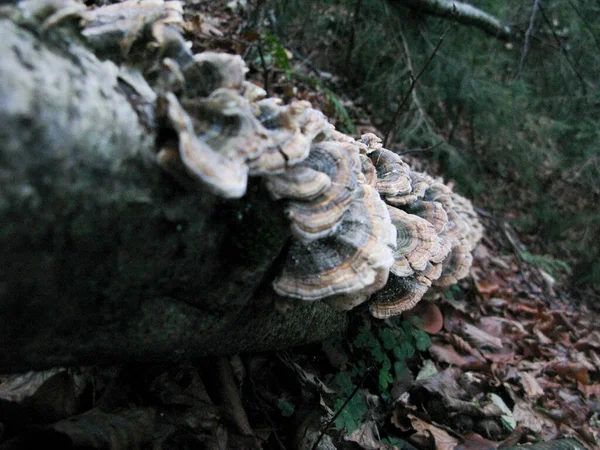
{"points": [[393, 174], [211, 71], [216, 144], [368, 171], [400, 294], [225, 176], [338, 136], [346, 302], [420, 182], [253, 92], [465, 208], [432, 212], [321, 216], [352, 261], [416, 243], [289, 144], [313, 123], [432, 271], [298, 183], [371, 142], [456, 265]]}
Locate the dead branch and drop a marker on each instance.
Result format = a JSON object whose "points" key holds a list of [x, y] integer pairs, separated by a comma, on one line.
{"points": [[463, 13], [528, 36], [562, 49]]}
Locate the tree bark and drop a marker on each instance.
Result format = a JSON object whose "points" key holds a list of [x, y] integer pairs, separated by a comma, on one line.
{"points": [[460, 12], [105, 258]]}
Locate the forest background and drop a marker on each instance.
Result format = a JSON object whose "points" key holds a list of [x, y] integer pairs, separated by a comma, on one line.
{"points": [[512, 118]]}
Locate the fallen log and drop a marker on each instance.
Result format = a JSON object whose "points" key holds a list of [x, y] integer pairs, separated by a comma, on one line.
{"points": [[104, 257]]}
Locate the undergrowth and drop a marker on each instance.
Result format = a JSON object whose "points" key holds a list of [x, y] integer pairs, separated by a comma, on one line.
{"points": [[377, 356]]}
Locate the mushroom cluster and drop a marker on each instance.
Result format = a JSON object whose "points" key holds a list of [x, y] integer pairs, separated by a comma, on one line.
{"points": [[364, 225]]}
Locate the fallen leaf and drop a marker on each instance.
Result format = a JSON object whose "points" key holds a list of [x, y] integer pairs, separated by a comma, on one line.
{"points": [[428, 315], [20, 386], [589, 390], [127, 429], [531, 386], [576, 371], [364, 436], [447, 354], [474, 441], [463, 345], [211, 26], [487, 287], [526, 417], [428, 370], [443, 440], [480, 338]]}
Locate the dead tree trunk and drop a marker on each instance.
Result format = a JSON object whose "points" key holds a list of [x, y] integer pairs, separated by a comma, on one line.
{"points": [[104, 258]]}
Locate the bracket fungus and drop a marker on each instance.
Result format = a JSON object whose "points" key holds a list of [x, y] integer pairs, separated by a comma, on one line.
{"points": [[365, 227], [348, 262], [321, 216], [416, 245], [393, 177]]}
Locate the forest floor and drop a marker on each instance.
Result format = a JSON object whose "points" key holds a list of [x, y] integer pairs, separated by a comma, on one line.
{"points": [[502, 359]]}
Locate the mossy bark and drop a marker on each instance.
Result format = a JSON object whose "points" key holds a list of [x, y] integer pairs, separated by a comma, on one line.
{"points": [[104, 257]]}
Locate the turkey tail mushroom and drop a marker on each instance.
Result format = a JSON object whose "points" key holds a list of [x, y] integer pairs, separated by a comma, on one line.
{"points": [[357, 256], [364, 225], [321, 216]]}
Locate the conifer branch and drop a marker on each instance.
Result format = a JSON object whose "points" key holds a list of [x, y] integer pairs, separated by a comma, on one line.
{"points": [[413, 83]]}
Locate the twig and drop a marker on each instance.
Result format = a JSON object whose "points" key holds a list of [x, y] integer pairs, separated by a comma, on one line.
{"points": [[528, 36], [412, 86], [352, 34], [264, 67], [585, 22], [339, 411], [581, 80], [420, 150], [422, 116]]}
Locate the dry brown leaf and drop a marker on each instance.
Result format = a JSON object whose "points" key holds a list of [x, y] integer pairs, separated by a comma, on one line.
{"points": [[500, 327], [589, 390], [526, 417], [474, 441], [429, 317], [581, 358], [576, 371], [443, 440], [17, 387], [530, 385], [211, 26], [542, 338], [365, 436], [447, 354], [595, 359], [462, 345], [480, 338], [486, 287]]}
